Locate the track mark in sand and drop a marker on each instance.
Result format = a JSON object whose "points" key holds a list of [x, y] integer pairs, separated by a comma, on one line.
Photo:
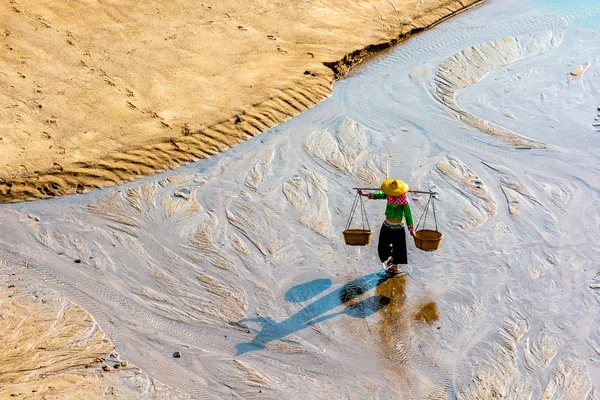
{"points": [[578, 71], [518, 197], [559, 196], [346, 150], [405, 329], [523, 203], [569, 379], [516, 326], [58, 350], [182, 203], [478, 203], [341, 148], [203, 242], [260, 171], [136, 206], [494, 378], [307, 193], [470, 65], [128, 208], [205, 299], [192, 144], [258, 226], [72, 244], [247, 381], [539, 353]]}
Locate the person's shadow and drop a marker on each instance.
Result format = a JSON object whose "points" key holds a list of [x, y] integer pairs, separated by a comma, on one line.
{"points": [[317, 311]]}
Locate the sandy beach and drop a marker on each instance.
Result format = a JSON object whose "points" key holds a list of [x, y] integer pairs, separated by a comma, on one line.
{"points": [[237, 263], [96, 94], [51, 348]]}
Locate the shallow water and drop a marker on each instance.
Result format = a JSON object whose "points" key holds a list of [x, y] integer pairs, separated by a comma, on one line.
{"points": [[582, 13], [238, 261]]}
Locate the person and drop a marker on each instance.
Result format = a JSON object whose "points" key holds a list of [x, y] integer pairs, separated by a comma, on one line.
{"points": [[392, 238]]}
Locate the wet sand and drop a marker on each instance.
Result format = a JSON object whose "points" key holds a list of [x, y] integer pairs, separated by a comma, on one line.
{"points": [[177, 83], [94, 94], [52, 349], [237, 261]]}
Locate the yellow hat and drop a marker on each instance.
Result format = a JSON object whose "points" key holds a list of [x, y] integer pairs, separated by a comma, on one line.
{"points": [[394, 187]]}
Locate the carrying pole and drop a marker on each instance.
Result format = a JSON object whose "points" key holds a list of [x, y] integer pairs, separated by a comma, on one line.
{"points": [[410, 191]]}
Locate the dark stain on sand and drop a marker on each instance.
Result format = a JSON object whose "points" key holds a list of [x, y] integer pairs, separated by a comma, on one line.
{"points": [[428, 313]]}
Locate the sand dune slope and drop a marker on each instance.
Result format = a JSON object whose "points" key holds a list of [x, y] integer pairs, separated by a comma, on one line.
{"points": [[96, 93]]}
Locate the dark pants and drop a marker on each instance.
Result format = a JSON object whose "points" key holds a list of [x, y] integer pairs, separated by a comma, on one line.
{"points": [[397, 239]]}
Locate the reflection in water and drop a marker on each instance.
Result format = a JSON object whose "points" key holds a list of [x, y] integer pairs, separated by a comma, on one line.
{"points": [[393, 325], [408, 373], [317, 311]]}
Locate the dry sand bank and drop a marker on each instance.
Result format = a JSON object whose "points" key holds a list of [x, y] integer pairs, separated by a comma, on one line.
{"points": [[94, 94], [53, 349]]}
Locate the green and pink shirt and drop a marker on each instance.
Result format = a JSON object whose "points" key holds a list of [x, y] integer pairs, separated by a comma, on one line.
{"points": [[397, 209]]}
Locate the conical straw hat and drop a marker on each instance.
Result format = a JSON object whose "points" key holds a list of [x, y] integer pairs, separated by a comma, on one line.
{"points": [[394, 187]]}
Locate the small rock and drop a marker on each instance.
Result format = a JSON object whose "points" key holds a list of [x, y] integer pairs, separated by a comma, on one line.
{"points": [[182, 195], [117, 366], [106, 367], [124, 363], [33, 217], [77, 261], [238, 119], [307, 72], [177, 354]]}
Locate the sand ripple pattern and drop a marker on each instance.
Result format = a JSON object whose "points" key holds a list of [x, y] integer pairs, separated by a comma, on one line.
{"points": [[468, 66]]}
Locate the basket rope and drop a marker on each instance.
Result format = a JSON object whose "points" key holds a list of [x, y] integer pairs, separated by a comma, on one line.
{"points": [[426, 211], [363, 212]]}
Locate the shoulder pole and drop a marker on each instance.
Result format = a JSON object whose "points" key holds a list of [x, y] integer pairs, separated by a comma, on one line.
{"points": [[410, 191]]}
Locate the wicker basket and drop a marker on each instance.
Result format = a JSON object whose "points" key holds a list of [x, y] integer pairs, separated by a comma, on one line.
{"points": [[357, 237], [428, 240]]}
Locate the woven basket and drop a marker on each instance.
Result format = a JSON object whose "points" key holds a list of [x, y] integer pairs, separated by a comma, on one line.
{"points": [[428, 240], [357, 237]]}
